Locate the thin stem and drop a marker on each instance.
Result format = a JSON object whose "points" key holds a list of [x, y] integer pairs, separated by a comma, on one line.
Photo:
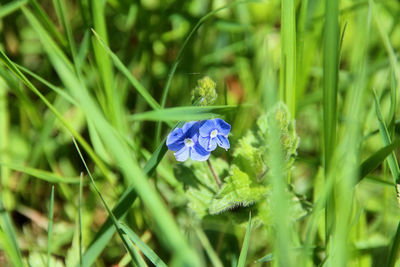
{"points": [[214, 173]]}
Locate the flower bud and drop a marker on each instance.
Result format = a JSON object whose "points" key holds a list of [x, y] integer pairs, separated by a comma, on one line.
{"points": [[204, 92]]}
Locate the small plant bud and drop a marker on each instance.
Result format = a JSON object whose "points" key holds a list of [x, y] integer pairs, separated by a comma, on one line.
{"points": [[205, 91]]}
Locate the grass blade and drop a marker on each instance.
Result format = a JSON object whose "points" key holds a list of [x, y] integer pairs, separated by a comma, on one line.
{"points": [[80, 220], [46, 21], [216, 262], [135, 83], [245, 247], [377, 158], [394, 251], [10, 7], [393, 164], [147, 251], [330, 86], [103, 60], [42, 175], [188, 113], [113, 218], [50, 226], [8, 237], [288, 57]]}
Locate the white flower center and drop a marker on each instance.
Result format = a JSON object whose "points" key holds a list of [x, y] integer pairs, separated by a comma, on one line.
{"points": [[188, 142], [214, 133]]}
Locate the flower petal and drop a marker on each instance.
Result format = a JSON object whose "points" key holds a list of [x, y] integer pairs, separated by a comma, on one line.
{"points": [[175, 140], [207, 127], [208, 143], [183, 154], [191, 128], [223, 142], [223, 127], [197, 152]]}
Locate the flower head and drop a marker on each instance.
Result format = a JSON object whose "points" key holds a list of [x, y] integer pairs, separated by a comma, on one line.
{"points": [[184, 141], [214, 132], [205, 91]]}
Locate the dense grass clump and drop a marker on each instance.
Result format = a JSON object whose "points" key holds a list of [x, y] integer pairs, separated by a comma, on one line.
{"points": [[282, 115]]}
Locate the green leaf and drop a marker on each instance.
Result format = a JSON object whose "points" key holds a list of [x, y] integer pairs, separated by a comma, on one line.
{"points": [[238, 190]]}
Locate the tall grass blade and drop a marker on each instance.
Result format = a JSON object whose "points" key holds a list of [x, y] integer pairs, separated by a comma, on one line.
{"points": [[80, 220], [288, 55], [330, 85], [392, 161], [46, 21], [216, 262], [103, 60], [8, 237], [245, 246], [394, 251], [50, 227], [113, 218]]}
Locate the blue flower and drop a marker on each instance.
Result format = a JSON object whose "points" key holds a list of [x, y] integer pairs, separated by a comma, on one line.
{"points": [[184, 141], [214, 132]]}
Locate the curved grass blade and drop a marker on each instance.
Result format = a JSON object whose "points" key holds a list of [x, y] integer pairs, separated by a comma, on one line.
{"points": [[377, 158], [41, 174], [147, 251], [50, 226], [183, 113], [245, 247]]}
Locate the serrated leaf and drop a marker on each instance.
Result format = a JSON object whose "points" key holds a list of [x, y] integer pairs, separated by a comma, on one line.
{"points": [[238, 190]]}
